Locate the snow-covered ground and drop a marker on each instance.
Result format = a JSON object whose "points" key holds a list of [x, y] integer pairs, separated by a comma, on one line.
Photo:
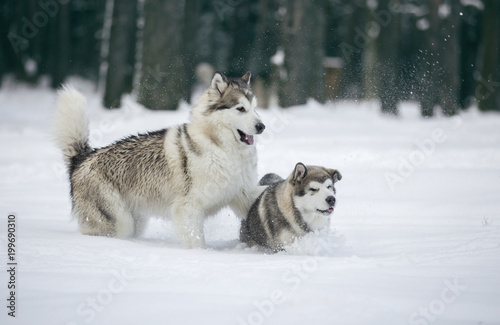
{"points": [[414, 239]]}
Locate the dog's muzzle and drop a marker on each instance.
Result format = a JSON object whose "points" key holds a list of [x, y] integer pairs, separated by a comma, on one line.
{"points": [[331, 202], [247, 138], [259, 127]]}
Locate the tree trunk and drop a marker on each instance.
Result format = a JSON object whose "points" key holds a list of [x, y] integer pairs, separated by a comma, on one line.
{"points": [[87, 20], [429, 60], [121, 56], [162, 80], [449, 77], [303, 44], [388, 57], [192, 17], [351, 51], [7, 53], [266, 39], [60, 51], [316, 23], [488, 88], [265, 45], [439, 64], [22, 34], [470, 37], [243, 37]]}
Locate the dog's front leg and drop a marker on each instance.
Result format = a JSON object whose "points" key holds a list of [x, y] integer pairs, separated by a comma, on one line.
{"points": [[188, 222]]}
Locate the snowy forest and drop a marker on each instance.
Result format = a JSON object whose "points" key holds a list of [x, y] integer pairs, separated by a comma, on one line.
{"points": [[442, 54], [412, 237]]}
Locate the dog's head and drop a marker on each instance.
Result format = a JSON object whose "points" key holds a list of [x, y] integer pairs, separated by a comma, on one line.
{"points": [[230, 103], [314, 193]]}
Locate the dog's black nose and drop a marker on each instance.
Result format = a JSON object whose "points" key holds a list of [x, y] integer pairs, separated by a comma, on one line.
{"points": [[259, 127], [330, 200]]}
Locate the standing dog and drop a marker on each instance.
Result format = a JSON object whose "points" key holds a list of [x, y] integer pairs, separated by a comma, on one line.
{"points": [[290, 208], [186, 172]]}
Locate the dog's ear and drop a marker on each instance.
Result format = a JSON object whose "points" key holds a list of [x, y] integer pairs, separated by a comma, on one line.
{"points": [[246, 77], [299, 172], [219, 82], [336, 175]]}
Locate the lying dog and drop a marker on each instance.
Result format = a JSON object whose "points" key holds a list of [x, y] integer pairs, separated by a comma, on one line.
{"points": [[291, 208]]}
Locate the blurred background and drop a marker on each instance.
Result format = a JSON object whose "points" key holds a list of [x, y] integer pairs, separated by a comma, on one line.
{"points": [[442, 54]]}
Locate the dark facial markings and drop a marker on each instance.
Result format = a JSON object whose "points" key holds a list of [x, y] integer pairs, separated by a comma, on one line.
{"points": [[231, 95], [231, 98], [318, 174]]}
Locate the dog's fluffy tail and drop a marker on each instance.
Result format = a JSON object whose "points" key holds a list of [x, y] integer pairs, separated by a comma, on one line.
{"points": [[70, 124], [270, 179]]}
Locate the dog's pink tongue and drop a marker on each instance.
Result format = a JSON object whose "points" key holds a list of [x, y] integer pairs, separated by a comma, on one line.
{"points": [[250, 139], [330, 209]]}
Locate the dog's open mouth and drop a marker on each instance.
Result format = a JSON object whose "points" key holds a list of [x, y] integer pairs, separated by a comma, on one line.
{"points": [[327, 211], [247, 138]]}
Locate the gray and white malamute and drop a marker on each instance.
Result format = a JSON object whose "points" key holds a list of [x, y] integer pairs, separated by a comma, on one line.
{"points": [[186, 172], [291, 208]]}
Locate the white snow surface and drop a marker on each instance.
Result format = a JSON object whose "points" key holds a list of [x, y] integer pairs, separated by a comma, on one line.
{"points": [[414, 238]]}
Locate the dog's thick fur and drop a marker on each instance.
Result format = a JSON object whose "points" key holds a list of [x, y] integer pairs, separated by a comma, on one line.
{"points": [[291, 208], [186, 172]]}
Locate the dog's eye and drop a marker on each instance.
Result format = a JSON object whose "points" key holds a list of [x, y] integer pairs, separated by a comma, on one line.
{"points": [[330, 187], [241, 109], [313, 189]]}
